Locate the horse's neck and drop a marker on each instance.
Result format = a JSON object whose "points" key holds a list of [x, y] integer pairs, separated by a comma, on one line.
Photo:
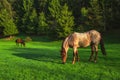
{"points": [[65, 43]]}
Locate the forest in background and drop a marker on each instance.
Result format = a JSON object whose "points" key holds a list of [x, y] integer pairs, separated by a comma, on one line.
{"points": [[57, 18]]}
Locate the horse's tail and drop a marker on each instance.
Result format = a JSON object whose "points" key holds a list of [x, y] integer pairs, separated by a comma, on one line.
{"points": [[102, 47]]}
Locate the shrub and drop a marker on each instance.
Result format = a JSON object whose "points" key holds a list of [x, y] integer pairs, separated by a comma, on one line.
{"points": [[27, 39]]}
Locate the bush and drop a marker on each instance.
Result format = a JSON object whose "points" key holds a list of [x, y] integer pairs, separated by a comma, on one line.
{"points": [[27, 39]]}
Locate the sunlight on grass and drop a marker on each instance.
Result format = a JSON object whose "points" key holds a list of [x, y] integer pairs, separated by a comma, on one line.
{"points": [[42, 61]]}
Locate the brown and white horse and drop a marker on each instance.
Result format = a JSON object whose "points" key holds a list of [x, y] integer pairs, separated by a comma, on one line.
{"points": [[75, 40], [20, 41]]}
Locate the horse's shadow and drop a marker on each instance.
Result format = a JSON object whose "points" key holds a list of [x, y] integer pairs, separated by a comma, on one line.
{"points": [[48, 55], [45, 55]]}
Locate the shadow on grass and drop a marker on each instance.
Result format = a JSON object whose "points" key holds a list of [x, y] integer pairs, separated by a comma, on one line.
{"points": [[49, 55], [45, 55]]}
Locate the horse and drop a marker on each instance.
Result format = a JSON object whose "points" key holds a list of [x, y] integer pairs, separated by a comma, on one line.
{"points": [[75, 40], [20, 41]]}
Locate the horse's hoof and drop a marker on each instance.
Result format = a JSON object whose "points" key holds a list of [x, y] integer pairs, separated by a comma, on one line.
{"points": [[63, 62], [73, 62]]}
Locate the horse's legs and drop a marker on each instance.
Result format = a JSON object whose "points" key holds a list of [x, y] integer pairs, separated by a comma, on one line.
{"points": [[24, 44], [17, 44], [66, 53], [77, 56], [92, 52], [74, 55], [96, 53], [64, 58]]}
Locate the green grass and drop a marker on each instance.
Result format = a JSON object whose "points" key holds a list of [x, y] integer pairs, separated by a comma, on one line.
{"points": [[40, 60]]}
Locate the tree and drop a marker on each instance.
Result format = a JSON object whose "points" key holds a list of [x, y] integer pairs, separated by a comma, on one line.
{"points": [[95, 15], [6, 20], [65, 21], [84, 20], [62, 18], [54, 10], [40, 5], [114, 11], [37, 16], [29, 17], [42, 24]]}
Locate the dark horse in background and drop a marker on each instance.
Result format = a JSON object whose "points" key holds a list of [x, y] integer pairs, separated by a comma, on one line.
{"points": [[75, 40], [20, 41]]}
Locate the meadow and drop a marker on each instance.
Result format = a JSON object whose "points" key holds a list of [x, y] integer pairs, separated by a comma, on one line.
{"points": [[41, 60]]}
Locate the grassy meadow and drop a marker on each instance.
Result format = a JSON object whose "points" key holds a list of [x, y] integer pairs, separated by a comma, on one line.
{"points": [[41, 60]]}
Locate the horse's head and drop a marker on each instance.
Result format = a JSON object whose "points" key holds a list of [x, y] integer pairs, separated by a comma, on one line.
{"points": [[63, 55]]}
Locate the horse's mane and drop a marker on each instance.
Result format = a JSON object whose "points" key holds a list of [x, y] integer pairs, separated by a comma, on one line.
{"points": [[64, 43]]}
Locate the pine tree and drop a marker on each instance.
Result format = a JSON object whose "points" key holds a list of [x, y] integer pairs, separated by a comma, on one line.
{"points": [[42, 24], [84, 19], [65, 21], [29, 17], [32, 22], [96, 15], [54, 8], [6, 20]]}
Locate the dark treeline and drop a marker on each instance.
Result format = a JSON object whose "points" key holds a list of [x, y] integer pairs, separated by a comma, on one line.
{"points": [[57, 18]]}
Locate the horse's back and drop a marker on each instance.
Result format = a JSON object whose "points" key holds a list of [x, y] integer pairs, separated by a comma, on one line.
{"points": [[95, 36], [83, 39], [19, 40], [79, 39], [94, 32]]}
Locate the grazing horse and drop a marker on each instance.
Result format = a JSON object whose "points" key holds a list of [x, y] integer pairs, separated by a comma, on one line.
{"points": [[20, 41], [76, 40]]}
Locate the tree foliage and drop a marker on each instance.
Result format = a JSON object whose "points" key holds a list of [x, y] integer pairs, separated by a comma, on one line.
{"points": [[65, 21], [42, 24], [58, 17], [96, 15], [7, 24]]}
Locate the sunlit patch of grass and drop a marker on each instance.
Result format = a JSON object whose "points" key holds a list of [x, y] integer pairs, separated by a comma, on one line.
{"points": [[42, 61]]}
